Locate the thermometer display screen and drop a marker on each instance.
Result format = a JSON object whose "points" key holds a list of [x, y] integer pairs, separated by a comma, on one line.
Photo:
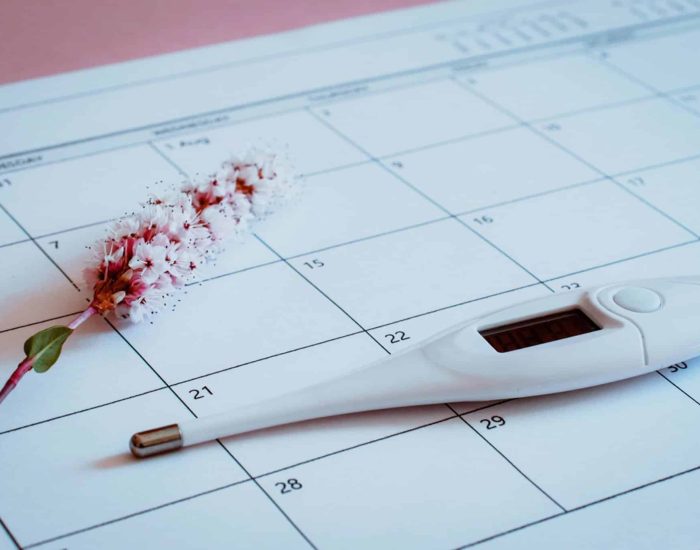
{"points": [[540, 330]]}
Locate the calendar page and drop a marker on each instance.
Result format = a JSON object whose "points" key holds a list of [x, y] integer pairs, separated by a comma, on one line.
{"points": [[456, 158]]}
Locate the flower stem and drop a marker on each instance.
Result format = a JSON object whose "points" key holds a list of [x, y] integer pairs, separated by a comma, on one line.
{"points": [[24, 367], [80, 319], [28, 362]]}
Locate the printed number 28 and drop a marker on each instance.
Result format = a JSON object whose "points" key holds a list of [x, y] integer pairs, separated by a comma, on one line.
{"points": [[288, 486]]}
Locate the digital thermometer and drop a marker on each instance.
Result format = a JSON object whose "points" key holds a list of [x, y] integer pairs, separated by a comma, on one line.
{"points": [[562, 342]]}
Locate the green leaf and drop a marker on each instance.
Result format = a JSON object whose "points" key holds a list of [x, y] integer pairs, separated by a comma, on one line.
{"points": [[45, 346]]}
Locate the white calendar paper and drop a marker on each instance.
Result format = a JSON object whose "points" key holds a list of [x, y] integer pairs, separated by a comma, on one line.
{"points": [[458, 157]]}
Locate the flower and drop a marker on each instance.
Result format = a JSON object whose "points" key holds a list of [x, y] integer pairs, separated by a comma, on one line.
{"points": [[149, 260], [150, 255]]}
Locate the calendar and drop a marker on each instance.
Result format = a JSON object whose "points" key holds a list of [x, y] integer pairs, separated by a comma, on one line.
{"points": [[457, 158]]}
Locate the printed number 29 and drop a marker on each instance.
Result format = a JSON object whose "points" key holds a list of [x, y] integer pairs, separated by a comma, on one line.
{"points": [[493, 422]]}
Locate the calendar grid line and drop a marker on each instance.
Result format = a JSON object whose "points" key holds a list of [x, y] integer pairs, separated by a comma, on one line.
{"points": [[423, 194], [285, 261], [372, 328], [627, 259], [656, 166], [324, 294], [607, 63], [462, 213], [460, 221], [167, 159], [162, 388], [148, 364], [231, 273], [353, 447], [21, 241], [43, 252], [222, 446], [579, 508], [369, 237], [40, 322], [253, 361], [259, 476], [458, 304], [377, 235], [531, 196], [135, 514], [86, 409], [323, 249], [683, 89], [182, 401], [267, 357], [239, 482], [573, 154], [10, 535], [483, 407], [584, 39], [356, 41], [662, 375], [632, 78], [76, 228], [508, 460], [456, 77], [472, 136], [77, 156], [466, 137], [480, 209], [357, 446], [655, 208], [267, 494], [504, 253]]}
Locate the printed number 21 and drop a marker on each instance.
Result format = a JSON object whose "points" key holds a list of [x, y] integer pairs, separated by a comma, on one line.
{"points": [[200, 393]]}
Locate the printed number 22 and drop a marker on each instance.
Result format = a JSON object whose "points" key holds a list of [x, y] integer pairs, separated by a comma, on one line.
{"points": [[396, 337]]}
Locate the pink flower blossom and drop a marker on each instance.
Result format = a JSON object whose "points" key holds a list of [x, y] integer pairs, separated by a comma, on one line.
{"points": [[150, 255]]}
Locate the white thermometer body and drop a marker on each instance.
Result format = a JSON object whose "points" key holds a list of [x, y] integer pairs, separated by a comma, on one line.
{"points": [[562, 342]]}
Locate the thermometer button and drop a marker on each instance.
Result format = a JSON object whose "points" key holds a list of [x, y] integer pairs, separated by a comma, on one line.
{"points": [[637, 299]]}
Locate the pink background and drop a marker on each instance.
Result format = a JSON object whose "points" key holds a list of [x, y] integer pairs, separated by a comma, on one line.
{"points": [[43, 37]]}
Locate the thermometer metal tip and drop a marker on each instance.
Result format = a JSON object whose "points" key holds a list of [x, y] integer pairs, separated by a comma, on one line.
{"points": [[156, 441]]}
